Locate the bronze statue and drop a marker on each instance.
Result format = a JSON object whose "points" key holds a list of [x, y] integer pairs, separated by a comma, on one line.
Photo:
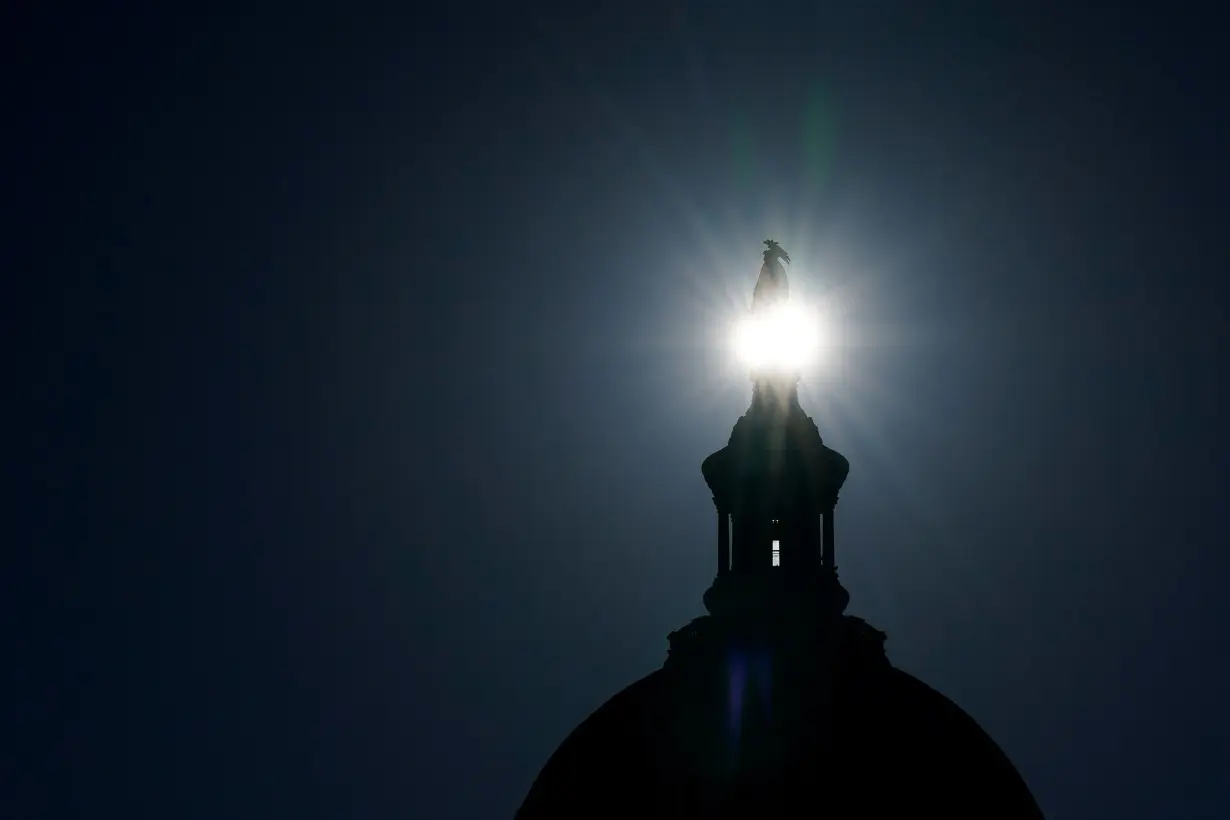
{"points": [[772, 287]]}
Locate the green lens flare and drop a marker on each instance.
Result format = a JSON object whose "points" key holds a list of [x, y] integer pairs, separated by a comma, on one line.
{"points": [[819, 139]]}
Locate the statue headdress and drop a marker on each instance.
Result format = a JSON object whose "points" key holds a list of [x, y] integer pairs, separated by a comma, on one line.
{"points": [[775, 251]]}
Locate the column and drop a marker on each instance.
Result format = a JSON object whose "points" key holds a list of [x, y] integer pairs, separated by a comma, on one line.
{"points": [[828, 554]]}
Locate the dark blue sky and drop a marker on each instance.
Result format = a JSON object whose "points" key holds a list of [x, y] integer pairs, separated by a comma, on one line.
{"points": [[361, 367]]}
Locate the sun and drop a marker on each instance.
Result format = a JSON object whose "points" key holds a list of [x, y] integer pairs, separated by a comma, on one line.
{"points": [[784, 337]]}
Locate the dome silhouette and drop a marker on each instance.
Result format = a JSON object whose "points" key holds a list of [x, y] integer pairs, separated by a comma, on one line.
{"points": [[777, 703]]}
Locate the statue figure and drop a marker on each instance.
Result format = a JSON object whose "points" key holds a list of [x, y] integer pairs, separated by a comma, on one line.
{"points": [[772, 286]]}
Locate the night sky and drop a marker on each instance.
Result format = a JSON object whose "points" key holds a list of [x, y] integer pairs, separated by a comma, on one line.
{"points": [[360, 366]]}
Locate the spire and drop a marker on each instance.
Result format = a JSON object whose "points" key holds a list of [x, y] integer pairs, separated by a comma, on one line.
{"points": [[775, 484]]}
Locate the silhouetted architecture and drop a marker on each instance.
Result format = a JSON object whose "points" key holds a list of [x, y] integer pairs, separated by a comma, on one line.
{"points": [[776, 703]]}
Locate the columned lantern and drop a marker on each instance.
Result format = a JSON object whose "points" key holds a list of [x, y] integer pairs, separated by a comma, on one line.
{"points": [[775, 483]]}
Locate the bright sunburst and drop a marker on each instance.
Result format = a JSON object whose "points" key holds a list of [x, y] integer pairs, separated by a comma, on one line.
{"points": [[787, 337]]}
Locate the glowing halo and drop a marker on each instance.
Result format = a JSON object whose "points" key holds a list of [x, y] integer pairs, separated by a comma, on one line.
{"points": [[785, 337]]}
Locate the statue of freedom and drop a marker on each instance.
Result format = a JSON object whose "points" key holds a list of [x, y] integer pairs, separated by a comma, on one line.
{"points": [[772, 287]]}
